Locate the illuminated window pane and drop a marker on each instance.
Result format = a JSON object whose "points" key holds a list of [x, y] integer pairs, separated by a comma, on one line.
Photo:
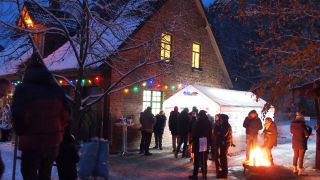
{"points": [[196, 50], [152, 99], [166, 46]]}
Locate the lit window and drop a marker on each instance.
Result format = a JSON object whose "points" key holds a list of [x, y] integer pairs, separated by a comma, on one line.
{"points": [[196, 49], [152, 99], [166, 47]]}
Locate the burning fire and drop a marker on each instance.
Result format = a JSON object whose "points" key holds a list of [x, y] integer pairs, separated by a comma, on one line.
{"points": [[258, 157]]}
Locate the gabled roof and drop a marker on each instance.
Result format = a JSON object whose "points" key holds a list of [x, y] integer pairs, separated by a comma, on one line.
{"points": [[40, 16]]}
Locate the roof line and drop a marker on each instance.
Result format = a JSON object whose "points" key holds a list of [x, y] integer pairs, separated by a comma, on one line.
{"points": [[213, 41]]}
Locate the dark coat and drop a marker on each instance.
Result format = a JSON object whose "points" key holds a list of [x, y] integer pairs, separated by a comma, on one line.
{"points": [[222, 134], [68, 158], [300, 134], [201, 128], [158, 128], [252, 126], [173, 122], [39, 110], [183, 123], [147, 121], [270, 136]]}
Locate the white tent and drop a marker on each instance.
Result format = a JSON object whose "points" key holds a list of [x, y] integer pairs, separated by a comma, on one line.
{"points": [[236, 104]]}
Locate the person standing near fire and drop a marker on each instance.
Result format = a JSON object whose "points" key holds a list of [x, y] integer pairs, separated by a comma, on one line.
{"points": [[270, 135], [300, 133], [253, 124], [222, 141]]}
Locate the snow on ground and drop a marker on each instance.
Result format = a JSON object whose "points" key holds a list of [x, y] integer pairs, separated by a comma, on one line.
{"points": [[163, 165]]}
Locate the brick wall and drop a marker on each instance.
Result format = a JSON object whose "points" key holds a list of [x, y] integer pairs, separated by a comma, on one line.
{"points": [[190, 27]]}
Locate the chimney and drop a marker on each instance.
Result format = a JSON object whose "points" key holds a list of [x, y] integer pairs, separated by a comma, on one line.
{"points": [[54, 4]]}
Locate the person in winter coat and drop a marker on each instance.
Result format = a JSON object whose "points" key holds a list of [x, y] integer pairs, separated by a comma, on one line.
{"points": [[193, 120], [183, 129], [173, 127], [4, 90], [300, 133], [270, 135], [147, 121], [6, 123], [253, 124], [222, 141], [40, 113], [201, 130], [68, 157], [159, 128]]}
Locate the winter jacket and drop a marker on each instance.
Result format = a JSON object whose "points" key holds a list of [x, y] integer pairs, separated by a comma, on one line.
{"points": [[270, 135], [252, 126], [183, 123], [222, 134], [173, 122], [147, 121], [39, 111], [201, 128], [300, 134], [160, 124]]}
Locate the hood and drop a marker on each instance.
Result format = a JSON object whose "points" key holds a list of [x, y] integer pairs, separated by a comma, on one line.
{"points": [[37, 73]]}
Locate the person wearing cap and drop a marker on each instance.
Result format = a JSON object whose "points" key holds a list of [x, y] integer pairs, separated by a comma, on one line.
{"points": [[4, 90], [300, 133], [270, 135], [253, 124]]}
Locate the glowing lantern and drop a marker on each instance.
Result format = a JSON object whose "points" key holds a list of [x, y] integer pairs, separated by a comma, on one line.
{"points": [[27, 19]]}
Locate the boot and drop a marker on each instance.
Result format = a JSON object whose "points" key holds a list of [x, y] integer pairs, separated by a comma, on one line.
{"points": [[299, 171], [294, 169]]}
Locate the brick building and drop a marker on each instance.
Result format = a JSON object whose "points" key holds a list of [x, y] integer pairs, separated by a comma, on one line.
{"points": [[179, 34]]}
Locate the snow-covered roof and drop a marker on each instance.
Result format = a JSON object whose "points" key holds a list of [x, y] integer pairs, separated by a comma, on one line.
{"points": [[226, 97], [106, 39]]}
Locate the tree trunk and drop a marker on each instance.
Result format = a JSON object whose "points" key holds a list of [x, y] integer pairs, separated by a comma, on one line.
{"points": [[317, 106]]}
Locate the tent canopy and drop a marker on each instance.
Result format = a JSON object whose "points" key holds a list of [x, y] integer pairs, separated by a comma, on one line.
{"points": [[213, 99]]}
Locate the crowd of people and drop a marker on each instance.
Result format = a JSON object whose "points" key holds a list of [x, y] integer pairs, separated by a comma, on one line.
{"points": [[198, 133], [40, 117]]}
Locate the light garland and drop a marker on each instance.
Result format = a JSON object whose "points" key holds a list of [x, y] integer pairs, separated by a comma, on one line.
{"points": [[150, 84], [84, 82]]}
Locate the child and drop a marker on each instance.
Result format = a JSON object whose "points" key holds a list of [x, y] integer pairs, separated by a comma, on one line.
{"points": [[68, 157], [270, 134]]}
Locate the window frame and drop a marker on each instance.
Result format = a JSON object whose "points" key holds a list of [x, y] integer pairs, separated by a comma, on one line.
{"points": [[163, 51], [193, 60], [152, 100]]}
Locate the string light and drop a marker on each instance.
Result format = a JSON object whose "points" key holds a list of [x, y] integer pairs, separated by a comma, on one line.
{"points": [[158, 85], [89, 81], [165, 87], [135, 88], [126, 90], [173, 87], [179, 86], [144, 84]]}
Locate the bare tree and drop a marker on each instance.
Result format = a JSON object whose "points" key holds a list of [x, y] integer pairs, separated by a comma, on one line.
{"points": [[287, 47], [103, 38]]}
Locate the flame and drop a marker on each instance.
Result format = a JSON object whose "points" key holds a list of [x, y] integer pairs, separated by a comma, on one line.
{"points": [[258, 157], [27, 19]]}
